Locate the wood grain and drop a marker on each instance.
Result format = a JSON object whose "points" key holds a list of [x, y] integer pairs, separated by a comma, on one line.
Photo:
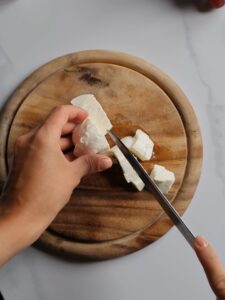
{"points": [[106, 217]]}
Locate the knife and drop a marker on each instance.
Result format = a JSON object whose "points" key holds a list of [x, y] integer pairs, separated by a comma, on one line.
{"points": [[150, 185]]}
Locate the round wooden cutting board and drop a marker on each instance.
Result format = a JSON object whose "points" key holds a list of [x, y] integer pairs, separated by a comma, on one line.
{"points": [[106, 217]]}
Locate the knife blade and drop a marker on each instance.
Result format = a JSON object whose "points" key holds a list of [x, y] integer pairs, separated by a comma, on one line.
{"points": [[150, 184]]}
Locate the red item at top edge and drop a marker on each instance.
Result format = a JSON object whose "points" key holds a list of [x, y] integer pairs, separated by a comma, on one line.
{"points": [[216, 3]]}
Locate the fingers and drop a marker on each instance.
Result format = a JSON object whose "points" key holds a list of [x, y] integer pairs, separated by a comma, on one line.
{"points": [[68, 128], [90, 163], [61, 120], [66, 143], [60, 116], [212, 265], [70, 156]]}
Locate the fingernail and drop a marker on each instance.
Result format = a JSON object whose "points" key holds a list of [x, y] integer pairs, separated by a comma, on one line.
{"points": [[201, 242], [105, 163]]}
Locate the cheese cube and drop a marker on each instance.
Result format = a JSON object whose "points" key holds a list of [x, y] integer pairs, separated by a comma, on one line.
{"points": [[128, 141], [163, 178], [129, 173], [142, 146], [95, 111], [88, 138]]}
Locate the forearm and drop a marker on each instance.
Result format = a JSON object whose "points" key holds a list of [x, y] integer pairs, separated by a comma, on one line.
{"points": [[17, 231]]}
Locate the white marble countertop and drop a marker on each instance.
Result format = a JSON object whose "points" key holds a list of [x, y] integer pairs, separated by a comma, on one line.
{"points": [[190, 47]]}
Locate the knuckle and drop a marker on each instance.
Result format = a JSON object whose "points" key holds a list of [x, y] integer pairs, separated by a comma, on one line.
{"points": [[90, 162], [59, 109], [40, 136]]}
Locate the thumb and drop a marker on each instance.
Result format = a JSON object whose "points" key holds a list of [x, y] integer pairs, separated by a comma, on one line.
{"points": [[212, 265], [90, 163]]}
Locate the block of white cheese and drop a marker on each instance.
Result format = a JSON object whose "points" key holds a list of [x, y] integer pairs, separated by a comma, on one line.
{"points": [[163, 178], [128, 141], [129, 173], [87, 138], [95, 111], [135, 180], [142, 146]]}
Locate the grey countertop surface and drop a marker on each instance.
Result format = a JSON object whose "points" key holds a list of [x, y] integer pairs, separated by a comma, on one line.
{"points": [[190, 47]]}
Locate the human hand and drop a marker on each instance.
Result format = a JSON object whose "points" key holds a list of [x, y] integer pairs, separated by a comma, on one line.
{"points": [[42, 177], [212, 265]]}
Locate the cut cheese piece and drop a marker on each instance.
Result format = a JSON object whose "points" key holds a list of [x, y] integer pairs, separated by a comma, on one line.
{"points": [[142, 146], [121, 158], [138, 183], [135, 180], [163, 178], [129, 173], [88, 138], [95, 111], [128, 141]]}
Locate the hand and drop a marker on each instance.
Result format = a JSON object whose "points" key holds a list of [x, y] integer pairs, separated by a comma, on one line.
{"points": [[212, 265], [42, 179]]}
